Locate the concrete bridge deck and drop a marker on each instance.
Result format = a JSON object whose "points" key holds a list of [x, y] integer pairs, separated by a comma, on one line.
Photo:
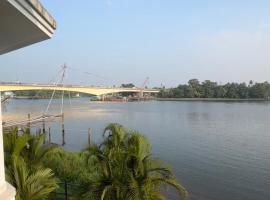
{"points": [[80, 89]]}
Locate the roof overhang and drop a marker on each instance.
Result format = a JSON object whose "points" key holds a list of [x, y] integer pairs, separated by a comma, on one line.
{"points": [[23, 22]]}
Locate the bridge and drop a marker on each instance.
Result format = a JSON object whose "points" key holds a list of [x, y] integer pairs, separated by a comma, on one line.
{"points": [[71, 88]]}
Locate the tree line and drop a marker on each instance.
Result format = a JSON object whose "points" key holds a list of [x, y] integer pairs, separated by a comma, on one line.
{"points": [[209, 89], [46, 94]]}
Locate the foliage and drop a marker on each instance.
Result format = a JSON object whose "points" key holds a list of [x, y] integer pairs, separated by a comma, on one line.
{"points": [[31, 184], [210, 89], [24, 169], [70, 166], [45, 94], [126, 170], [120, 168], [127, 85]]}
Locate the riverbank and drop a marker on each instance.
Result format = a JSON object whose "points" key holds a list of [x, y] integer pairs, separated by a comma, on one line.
{"points": [[167, 99], [33, 97], [208, 99]]}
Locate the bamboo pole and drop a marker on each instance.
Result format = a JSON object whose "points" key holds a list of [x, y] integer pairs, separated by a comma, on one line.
{"points": [[43, 125], [29, 122], [63, 130], [89, 137], [49, 132]]}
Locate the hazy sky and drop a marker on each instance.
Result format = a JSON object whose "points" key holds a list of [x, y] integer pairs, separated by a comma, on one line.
{"points": [[171, 41]]}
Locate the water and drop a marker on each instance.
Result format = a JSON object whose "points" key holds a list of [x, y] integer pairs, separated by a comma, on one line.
{"points": [[219, 150]]}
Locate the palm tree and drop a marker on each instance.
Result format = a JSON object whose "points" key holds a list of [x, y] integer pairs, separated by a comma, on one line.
{"points": [[35, 152], [13, 147], [127, 171], [24, 168], [31, 185], [148, 175]]}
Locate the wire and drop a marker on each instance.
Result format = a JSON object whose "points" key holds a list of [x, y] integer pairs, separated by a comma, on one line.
{"points": [[52, 81], [59, 81], [89, 73], [25, 122], [69, 98], [49, 104], [62, 105], [44, 116]]}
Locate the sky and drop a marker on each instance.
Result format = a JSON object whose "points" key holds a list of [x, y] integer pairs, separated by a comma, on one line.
{"points": [[110, 42]]}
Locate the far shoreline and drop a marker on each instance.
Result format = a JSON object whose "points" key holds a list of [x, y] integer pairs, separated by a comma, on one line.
{"points": [[170, 99], [213, 99]]}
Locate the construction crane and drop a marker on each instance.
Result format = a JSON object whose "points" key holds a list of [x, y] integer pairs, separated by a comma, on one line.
{"points": [[143, 86]]}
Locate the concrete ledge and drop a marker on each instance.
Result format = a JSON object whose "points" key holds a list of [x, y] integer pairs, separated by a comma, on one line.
{"points": [[8, 192], [43, 12], [23, 22], [36, 13]]}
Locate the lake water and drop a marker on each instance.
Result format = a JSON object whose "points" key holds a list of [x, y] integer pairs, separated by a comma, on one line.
{"points": [[219, 150]]}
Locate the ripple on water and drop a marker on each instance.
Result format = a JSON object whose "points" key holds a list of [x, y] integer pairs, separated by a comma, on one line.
{"points": [[218, 150]]}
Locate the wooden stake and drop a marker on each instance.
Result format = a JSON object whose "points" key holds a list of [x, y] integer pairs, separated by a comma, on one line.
{"points": [[49, 135], [43, 125], [63, 131], [89, 137], [29, 121]]}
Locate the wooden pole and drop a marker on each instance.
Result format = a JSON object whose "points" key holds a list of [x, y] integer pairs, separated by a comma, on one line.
{"points": [[43, 125], [63, 131], [49, 135], [29, 122], [66, 190], [89, 137]]}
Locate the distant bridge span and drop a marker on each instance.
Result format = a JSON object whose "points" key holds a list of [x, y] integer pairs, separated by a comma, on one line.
{"points": [[80, 89]]}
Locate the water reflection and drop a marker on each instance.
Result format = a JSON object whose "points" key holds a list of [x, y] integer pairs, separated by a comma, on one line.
{"points": [[219, 150]]}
